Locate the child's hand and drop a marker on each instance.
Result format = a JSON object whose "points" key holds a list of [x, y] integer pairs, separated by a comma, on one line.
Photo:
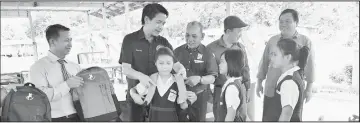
{"points": [[191, 96]]}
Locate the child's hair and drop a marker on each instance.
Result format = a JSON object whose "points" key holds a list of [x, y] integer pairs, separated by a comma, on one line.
{"points": [[235, 62], [164, 51], [290, 47]]}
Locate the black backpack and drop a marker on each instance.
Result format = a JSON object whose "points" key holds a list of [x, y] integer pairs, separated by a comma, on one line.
{"points": [[26, 103]]}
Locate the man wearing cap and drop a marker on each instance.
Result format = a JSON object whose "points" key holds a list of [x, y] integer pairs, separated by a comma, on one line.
{"points": [[201, 69], [233, 27]]}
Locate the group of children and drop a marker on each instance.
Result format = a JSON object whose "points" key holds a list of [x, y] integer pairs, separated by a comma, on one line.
{"points": [[167, 98]]}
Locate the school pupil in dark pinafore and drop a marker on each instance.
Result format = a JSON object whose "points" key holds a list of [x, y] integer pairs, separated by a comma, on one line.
{"points": [[288, 21], [137, 55], [232, 105], [167, 97], [291, 59]]}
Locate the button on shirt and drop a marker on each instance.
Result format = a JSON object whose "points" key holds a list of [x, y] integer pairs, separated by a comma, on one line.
{"points": [[218, 47], [272, 74], [198, 62], [47, 76], [140, 53]]}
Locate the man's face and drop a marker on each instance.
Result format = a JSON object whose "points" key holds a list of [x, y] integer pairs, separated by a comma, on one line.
{"points": [[62, 44], [193, 36], [156, 24], [235, 34], [287, 23]]}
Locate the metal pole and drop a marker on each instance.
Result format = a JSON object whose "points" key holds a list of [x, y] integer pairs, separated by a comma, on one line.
{"points": [[105, 32], [228, 5], [33, 36]]}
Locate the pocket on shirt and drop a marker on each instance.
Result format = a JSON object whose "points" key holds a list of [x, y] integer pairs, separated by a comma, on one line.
{"points": [[199, 65]]}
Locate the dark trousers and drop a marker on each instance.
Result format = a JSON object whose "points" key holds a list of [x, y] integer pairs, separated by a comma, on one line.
{"points": [[216, 100], [267, 113], [72, 118], [199, 108], [136, 112]]}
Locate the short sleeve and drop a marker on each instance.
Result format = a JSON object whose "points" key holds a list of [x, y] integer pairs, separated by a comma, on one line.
{"points": [[211, 66], [231, 97], [126, 54], [289, 93]]}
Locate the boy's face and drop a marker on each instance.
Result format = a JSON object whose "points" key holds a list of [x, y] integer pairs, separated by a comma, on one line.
{"points": [[223, 68], [164, 63], [156, 24]]}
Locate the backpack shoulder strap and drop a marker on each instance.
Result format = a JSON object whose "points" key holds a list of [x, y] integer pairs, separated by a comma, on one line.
{"points": [[152, 89], [181, 89]]}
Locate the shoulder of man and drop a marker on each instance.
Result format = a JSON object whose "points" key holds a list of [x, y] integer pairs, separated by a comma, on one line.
{"points": [[274, 39], [179, 48], [212, 45], [39, 63]]}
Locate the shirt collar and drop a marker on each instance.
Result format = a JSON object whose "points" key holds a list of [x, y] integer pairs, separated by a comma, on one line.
{"points": [[200, 48], [141, 33], [295, 36], [53, 57], [288, 72], [221, 42], [228, 81]]}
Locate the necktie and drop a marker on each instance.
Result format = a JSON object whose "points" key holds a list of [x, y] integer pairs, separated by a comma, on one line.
{"points": [[63, 69]]}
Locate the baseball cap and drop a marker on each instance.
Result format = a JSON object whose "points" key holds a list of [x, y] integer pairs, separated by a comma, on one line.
{"points": [[231, 22]]}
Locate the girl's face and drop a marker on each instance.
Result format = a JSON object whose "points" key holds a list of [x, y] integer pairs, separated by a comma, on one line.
{"points": [[278, 59], [164, 63], [223, 68]]}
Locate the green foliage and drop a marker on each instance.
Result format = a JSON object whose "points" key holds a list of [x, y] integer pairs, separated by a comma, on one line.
{"points": [[343, 76]]}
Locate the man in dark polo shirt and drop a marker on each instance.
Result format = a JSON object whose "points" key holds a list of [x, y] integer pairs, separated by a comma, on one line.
{"points": [[233, 27], [201, 69], [138, 54]]}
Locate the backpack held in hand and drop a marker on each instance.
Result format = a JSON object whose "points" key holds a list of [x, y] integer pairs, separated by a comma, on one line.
{"points": [[26, 103], [96, 99]]}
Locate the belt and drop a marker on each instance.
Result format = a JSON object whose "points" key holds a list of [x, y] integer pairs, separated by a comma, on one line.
{"points": [[68, 116]]}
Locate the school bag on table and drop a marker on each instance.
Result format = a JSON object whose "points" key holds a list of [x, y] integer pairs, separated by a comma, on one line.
{"points": [[26, 103], [96, 99]]}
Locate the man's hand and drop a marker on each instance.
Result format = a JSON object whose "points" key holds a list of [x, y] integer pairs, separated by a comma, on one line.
{"points": [[75, 81], [193, 80], [136, 97], [191, 96], [259, 89], [308, 95], [180, 69], [146, 81], [247, 96]]}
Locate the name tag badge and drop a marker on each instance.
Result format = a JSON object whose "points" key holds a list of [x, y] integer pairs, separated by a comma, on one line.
{"points": [[198, 61], [199, 56], [172, 96]]}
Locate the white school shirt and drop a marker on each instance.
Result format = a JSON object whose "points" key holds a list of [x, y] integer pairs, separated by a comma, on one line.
{"points": [[163, 87], [231, 95], [289, 90], [47, 76]]}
